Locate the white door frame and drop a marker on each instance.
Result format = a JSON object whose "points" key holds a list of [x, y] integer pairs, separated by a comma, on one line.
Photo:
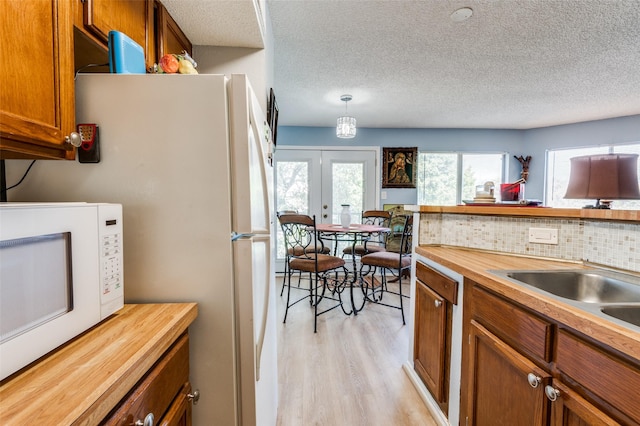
{"points": [[377, 173]]}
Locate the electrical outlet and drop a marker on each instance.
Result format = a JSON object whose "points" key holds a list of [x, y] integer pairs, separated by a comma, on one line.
{"points": [[543, 235]]}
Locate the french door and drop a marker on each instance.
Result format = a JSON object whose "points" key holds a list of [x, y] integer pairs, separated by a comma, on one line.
{"points": [[318, 181]]}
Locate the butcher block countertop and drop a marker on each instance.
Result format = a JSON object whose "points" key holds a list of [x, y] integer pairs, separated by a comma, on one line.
{"points": [[476, 265], [82, 381], [523, 211]]}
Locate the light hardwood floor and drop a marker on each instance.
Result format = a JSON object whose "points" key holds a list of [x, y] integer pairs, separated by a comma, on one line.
{"points": [[349, 372]]}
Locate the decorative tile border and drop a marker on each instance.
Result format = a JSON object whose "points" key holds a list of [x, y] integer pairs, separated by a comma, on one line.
{"points": [[607, 243]]}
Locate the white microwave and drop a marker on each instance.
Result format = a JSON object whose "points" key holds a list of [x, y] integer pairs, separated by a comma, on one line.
{"points": [[61, 273]]}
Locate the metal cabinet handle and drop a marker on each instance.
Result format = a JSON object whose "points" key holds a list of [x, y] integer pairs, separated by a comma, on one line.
{"points": [[325, 206], [437, 303], [148, 421], [194, 397], [551, 392], [534, 380], [74, 139]]}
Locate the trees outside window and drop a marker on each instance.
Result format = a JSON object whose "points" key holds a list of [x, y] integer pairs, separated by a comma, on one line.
{"points": [[445, 179]]}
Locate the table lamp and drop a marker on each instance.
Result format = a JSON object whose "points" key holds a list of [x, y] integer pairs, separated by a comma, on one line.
{"points": [[604, 176]]}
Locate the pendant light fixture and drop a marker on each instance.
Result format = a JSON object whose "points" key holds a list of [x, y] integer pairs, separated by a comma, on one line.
{"points": [[346, 128]]}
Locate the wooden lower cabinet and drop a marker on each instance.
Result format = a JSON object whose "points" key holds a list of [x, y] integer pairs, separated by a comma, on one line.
{"points": [[161, 395], [179, 413], [521, 368], [430, 350], [570, 409], [435, 296], [499, 392]]}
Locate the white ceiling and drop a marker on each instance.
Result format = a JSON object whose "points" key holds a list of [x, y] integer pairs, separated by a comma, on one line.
{"points": [[514, 64]]}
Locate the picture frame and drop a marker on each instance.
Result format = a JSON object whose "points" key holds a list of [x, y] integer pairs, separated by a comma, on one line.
{"points": [[272, 116], [399, 167]]}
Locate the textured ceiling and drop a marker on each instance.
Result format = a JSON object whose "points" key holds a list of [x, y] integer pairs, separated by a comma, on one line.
{"points": [[514, 64]]}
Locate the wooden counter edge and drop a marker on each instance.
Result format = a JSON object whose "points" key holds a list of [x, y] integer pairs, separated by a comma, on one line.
{"points": [[475, 265], [83, 380], [590, 214]]}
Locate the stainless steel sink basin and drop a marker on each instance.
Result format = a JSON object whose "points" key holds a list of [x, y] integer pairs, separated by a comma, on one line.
{"points": [[582, 286], [630, 314]]}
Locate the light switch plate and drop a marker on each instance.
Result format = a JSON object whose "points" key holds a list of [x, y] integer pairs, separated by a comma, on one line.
{"points": [[543, 235]]}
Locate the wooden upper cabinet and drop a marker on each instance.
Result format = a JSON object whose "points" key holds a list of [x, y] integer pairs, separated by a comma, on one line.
{"points": [[169, 37], [36, 79], [132, 17]]}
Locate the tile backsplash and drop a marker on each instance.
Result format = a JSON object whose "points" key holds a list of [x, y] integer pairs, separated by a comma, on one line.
{"points": [[609, 243]]}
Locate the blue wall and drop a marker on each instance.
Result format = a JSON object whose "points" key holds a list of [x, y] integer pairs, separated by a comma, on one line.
{"points": [[534, 142]]}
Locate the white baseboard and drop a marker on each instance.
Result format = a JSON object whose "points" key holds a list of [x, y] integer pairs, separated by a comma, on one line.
{"points": [[431, 404]]}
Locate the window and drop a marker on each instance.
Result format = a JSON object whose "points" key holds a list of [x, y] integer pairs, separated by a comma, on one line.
{"points": [[448, 178], [559, 167]]}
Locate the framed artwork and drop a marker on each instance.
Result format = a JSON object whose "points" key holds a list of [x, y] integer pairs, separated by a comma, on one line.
{"points": [[399, 167], [272, 115]]}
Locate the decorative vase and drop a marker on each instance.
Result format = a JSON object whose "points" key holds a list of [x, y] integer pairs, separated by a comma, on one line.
{"points": [[345, 216]]}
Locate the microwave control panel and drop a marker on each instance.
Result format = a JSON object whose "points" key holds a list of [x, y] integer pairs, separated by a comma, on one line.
{"points": [[111, 273]]}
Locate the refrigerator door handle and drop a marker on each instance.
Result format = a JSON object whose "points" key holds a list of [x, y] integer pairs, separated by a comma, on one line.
{"points": [[263, 324], [235, 236]]}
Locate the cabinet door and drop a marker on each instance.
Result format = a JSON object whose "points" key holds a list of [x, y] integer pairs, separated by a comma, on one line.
{"points": [[156, 392], [179, 413], [132, 17], [499, 392], [170, 38], [431, 347], [36, 76], [569, 409]]}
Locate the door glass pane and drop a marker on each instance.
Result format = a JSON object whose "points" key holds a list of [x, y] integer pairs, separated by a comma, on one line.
{"points": [[347, 188], [437, 177], [292, 193]]}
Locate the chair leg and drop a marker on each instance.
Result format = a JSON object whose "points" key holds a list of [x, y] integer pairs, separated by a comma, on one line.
{"points": [[400, 292], [288, 279], [286, 273]]}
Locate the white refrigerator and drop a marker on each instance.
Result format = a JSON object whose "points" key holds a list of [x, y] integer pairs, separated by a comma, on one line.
{"points": [[187, 157]]}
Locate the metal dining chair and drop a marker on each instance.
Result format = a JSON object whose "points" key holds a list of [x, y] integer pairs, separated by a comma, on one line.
{"points": [[325, 250], [306, 254], [375, 242], [396, 264]]}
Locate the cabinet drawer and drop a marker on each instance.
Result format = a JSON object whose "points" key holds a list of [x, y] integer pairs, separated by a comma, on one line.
{"points": [[601, 373], [157, 390], [521, 329], [438, 282]]}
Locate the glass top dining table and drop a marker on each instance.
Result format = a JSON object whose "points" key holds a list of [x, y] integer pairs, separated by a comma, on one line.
{"points": [[356, 232]]}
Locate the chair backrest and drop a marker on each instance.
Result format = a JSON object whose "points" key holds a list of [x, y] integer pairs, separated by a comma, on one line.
{"points": [[281, 212], [407, 237], [299, 232], [378, 218]]}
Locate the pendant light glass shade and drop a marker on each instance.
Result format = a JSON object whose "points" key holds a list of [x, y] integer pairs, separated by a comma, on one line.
{"points": [[346, 128]]}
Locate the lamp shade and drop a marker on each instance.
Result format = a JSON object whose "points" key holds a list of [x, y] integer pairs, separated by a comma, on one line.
{"points": [[605, 176], [346, 127]]}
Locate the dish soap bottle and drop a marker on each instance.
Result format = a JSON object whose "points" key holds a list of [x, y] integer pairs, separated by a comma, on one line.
{"points": [[345, 216]]}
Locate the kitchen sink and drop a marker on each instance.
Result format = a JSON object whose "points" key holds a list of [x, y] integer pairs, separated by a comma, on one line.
{"points": [[630, 314], [610, 295], [583, 285]]}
